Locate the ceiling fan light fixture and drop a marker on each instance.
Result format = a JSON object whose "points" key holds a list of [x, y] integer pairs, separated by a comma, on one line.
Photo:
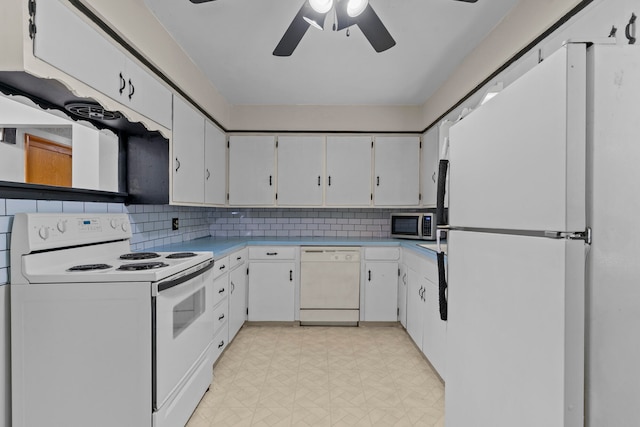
{"points": [[321, 6], [356, 7], [315, 23]]}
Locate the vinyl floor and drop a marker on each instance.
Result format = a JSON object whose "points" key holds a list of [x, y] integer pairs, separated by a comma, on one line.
{"points": [[322, 376]]}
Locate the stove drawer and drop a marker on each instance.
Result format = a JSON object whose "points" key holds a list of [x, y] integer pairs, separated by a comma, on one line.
{"points": [[220, 266], [220, 316], [220, 343], [220, 289]]}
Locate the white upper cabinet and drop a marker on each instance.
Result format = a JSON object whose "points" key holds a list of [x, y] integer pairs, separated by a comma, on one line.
{"points": [[397, 171], [430, 166], [300, 170], [215, 165], [348, 178], [252, 170], [67, 42], [187, 154]]}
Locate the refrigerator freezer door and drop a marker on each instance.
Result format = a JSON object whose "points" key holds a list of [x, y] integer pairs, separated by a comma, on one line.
{"points": [[518, 162], [515, 334]]}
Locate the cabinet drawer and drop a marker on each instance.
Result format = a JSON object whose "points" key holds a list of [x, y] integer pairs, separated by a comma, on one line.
{"points": [[220, 316], [382, 254], [220, 342], [220, 289], [276, 252], [220, 266], [237, 258]]}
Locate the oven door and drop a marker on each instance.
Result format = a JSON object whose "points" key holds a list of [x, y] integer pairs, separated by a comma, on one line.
{"points": [[183, 329]]}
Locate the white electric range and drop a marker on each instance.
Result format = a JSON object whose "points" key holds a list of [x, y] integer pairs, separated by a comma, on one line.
{"points": [[103, 336]]}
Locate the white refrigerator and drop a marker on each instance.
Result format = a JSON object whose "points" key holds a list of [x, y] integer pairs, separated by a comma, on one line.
{"points": [[542, 286]]}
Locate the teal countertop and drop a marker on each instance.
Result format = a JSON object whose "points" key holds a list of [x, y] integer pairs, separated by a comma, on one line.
{"points": [[222, 247]]}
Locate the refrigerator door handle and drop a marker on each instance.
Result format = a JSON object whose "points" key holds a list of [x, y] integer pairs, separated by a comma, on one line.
{"points": [[442, 287], [443, 168]]}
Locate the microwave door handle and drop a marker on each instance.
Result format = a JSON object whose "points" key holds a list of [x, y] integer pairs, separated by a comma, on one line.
{"points": [[443, 168], [442, 287]]}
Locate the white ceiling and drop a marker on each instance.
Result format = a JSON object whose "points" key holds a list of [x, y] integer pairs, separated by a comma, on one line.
{"points": [[232, 42]]}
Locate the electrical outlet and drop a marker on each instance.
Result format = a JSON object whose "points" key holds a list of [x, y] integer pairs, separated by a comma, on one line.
{"points": [[175, 223]]}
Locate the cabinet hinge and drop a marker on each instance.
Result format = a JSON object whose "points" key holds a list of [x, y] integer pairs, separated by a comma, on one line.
{"points": [[398, 311], [421, 144], [247, 271], [419, 196], [276, 142], [372, 143], [276, 196], [398, 272], [247, 311], [227, 196], [580, 235], [371, 196], [32, 19], [228, 144]]}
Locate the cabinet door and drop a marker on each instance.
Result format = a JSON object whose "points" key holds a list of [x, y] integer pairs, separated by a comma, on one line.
{"points": [[415, 307], [300, 170], [215, 165], [237, 300], [146, 95], [397, 171], [68, 43], [430, 166], [348, 171], [252, 170], [271, 291], [188, 150], [434, 335], [402, 295], [381, 292]]}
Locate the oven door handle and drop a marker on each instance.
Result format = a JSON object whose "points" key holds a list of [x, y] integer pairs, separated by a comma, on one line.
{"points": [[163, 286]]}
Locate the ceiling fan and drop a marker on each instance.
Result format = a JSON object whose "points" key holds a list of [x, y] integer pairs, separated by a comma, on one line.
{"points": [[346, 12]]}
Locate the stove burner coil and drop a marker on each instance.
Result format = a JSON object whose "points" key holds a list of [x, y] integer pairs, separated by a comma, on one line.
{"points": [[142, 266], [139, 255], [89, 267], [179, 255]]}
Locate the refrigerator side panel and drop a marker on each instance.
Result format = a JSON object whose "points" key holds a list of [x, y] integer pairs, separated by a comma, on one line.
{"points": [[515, 334], [518, 161], [613, 267]]}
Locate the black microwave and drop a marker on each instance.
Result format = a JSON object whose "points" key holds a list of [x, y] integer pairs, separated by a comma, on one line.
{"points": [[420, 226]]}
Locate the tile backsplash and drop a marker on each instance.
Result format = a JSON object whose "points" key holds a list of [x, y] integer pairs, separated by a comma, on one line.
{"points": [[151, 224]]}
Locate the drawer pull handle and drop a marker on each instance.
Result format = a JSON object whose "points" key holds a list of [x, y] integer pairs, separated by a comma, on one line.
{"points": [[222, 267], [272, 253], [221, 344], [132, 89], [233, 287], [318, 180], [291, 275], [369, 275], [221, 317], [221, 291], [177, 164], [239, 258], [123, 84]]}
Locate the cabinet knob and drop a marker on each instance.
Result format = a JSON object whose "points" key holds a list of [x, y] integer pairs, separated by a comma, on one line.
{"points": [[318, 180], [270, 180], [291, 275], [221, 344], [378, 181], [208, 174], [221, 291], [369, 275], [329, 181], [123, 84], [433, 177], [221, 317], [177, 164]]}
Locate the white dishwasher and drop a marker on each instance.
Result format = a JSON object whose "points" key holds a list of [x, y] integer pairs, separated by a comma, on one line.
{"points": [[329, 285]]}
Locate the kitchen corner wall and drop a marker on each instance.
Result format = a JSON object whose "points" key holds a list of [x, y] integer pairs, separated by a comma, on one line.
{"points": [[151, 224]]}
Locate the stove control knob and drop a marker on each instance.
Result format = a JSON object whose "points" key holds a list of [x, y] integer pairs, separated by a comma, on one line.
{"points": [[125, 227], [114, 224], [62, 226], [43, 233]]}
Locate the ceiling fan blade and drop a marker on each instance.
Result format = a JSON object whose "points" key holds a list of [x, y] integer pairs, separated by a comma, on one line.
{"points": [[293, 35], [374, 30]]}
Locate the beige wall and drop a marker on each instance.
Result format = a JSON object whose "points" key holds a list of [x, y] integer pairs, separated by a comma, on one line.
{"points": [[136, 24], [526, 21]]}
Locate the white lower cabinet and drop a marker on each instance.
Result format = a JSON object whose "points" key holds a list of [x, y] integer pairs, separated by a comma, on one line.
{"points": [[423, 322], [237, 296], [220, 302], [273, 273], [402, 295], [380, 284]]}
